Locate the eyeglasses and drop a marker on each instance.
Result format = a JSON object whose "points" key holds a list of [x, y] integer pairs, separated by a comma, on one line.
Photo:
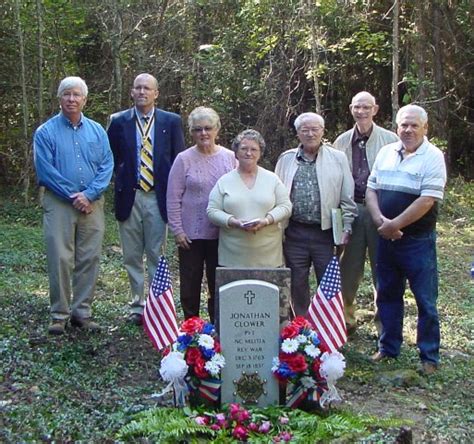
{"points": [[308, 131], [200, 129], [73, 95], [245, 149], [362, 107]]}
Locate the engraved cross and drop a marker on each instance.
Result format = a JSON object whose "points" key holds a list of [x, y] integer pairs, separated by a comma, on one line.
{"points": [[250, 296]]}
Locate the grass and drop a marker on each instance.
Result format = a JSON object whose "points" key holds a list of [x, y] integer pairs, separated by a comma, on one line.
{"points": [[87, 387]]}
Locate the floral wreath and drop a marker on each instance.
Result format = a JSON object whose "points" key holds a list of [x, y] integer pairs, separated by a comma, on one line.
{"points": [[306, 363], [194, 362]]}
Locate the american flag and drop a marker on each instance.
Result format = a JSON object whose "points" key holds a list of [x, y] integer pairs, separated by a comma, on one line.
{"points": [[160, 315], [326, 311]]}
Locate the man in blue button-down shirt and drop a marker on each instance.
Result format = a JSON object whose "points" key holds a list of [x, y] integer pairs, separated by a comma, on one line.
{"points": [[74, 163]]}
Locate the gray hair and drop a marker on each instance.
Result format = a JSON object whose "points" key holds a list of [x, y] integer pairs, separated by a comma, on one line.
{"points": [[303, 118], [203, 113], [364, 95], [72, 82], [418, 110], [249, 134]]}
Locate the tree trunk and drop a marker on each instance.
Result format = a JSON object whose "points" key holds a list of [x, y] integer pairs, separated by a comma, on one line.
{"points": [[440, 105], [395, 60], [39, 12], [24, 141], [116, 42], [420, 51], [314, 45]]}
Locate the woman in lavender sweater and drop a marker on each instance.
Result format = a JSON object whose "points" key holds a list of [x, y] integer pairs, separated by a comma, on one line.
{"points": [[193, 174]]}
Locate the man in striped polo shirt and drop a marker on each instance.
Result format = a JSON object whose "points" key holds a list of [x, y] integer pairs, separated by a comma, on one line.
{"points": [[406, 183]]}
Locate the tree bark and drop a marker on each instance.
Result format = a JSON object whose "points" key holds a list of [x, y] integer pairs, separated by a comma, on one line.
{"points": [[24, 141], [420, 51], [395, 60]]}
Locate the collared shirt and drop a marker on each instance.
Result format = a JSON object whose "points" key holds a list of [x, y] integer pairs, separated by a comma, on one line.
{"points": [[400, 181], [71, 159], [305, 195], [360, 165], [139, 137]]}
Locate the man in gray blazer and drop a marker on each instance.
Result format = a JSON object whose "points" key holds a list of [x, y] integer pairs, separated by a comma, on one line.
{"points": [[361, 145]]}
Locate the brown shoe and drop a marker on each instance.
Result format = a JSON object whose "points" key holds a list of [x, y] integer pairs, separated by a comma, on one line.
{"points": [[57, 327], [85, 324], [428, 368], [379, 357], [135, 319]]}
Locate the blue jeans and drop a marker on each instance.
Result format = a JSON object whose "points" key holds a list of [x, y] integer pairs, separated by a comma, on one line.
{"points": [[411, 258]]}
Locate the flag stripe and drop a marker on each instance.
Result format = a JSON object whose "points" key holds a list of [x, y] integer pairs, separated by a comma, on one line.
{"points": [[331, 318], [161, 307], [159, 314], [326, 309]]}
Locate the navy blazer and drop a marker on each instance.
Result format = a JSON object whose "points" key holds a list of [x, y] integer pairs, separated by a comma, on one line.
{"points": [[168, 142]]}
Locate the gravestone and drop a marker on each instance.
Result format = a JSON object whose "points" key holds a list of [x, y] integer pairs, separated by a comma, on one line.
{"points": [[249, 319], [281, 277]]}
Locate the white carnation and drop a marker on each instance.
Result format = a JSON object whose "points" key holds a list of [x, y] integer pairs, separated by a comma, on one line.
{"points": [[215, 364], [289, 345], [302, 339], [218, 359], [206, 341], [312, 351]]}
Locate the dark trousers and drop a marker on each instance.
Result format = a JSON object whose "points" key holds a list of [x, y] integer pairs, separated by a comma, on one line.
{"points": [[306, 245], [191, 270], [411, 258]]}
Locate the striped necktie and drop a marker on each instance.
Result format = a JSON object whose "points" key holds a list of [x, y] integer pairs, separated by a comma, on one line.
{"points": [[146, 182]]}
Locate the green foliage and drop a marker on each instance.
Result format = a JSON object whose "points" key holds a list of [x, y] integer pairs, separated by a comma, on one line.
{"points": [[164, 425], [172, 425], [458, 200]]}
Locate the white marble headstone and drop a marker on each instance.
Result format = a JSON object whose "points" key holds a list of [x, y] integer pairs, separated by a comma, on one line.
{"points": [[249, 322]]}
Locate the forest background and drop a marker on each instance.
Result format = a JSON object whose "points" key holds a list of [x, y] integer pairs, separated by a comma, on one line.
{"points": [[259, 63]]}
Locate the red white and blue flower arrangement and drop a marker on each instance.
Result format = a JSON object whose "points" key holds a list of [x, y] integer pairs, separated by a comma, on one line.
{"points": [[193, 363], [307, 364]]}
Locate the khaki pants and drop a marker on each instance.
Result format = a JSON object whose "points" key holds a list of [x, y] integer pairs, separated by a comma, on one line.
{"points": [[143, 233], [364, 238], [73, 247]]}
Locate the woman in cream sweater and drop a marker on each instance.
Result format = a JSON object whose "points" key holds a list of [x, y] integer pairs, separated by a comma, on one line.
{"points": [[248, 204]]}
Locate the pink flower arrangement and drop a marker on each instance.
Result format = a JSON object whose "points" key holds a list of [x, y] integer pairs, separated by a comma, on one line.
{"points": [[239, 423]]}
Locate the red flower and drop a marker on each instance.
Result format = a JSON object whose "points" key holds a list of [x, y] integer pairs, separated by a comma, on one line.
{"points": [[199, 369], [316, 367], [296, 362], [240, 432], [234, 409], [323, 347], [301, 322], [290, 331], [192, 355], [253, 427], [243, 415], [192, 325], [217, 346]]}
